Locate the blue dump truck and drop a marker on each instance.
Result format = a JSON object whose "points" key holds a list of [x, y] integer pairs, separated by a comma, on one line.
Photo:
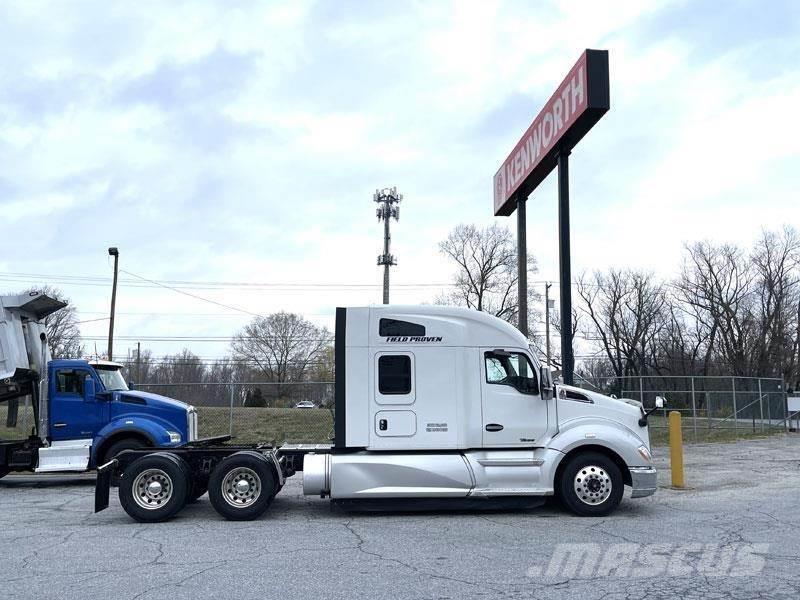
{"points": [[83, 413]]}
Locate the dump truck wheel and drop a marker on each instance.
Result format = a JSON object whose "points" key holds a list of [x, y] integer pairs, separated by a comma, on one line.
{"points": [[154, 487], [591, 485], [242, 486]]}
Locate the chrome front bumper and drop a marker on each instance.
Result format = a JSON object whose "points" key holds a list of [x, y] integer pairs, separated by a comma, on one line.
{"points": [[644, 481]]}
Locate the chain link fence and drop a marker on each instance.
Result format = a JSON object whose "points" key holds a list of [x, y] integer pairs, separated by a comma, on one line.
{"points": [[297, 412], [302, 412], [711, 403]]}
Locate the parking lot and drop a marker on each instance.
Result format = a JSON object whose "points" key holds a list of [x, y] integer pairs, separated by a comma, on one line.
{"points": [[744, 495]]}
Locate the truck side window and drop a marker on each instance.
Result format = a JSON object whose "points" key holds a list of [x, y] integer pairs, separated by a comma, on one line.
{"points": [[393, 327], [511, 368], [70, 382], [394, 374]]}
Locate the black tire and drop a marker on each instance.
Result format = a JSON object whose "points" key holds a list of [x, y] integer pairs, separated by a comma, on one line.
{"points": [[116, 448], [154, 506], [591, 485], [119, 446], [242, 504]]}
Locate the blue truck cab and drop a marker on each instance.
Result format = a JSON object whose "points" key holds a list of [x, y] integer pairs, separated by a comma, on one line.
{"points": [[91, 400], [83, 411]]}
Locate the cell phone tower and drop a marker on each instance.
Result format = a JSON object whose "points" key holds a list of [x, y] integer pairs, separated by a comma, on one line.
{"points": [[389, 208]]}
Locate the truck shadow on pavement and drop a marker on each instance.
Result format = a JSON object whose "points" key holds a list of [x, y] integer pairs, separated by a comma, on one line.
{"points": [[294, 507]]}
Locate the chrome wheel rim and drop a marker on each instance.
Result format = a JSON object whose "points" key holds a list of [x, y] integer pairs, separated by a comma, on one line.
{"points": [[241, 487], [592, 485], [152, 489]]}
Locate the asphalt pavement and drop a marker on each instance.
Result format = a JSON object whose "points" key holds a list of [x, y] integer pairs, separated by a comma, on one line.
{"points": [[735, 534]]}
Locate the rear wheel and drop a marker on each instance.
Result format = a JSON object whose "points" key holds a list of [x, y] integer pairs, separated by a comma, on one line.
{"points": [[591, 485], [154, 487], [242, 486]]}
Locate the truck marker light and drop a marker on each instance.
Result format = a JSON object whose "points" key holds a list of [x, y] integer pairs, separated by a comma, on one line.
{"points": [[645, 453]]}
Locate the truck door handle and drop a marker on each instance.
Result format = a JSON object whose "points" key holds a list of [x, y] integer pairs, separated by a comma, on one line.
{"points": [[494, 427], [59, 425]]}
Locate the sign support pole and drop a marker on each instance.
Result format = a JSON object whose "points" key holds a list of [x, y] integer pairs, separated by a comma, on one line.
{"points": [[522, 265], [565, 269]]}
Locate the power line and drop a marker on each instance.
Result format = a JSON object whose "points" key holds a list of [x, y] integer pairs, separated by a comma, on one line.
{"points": [[174, 289], [101, 281]]}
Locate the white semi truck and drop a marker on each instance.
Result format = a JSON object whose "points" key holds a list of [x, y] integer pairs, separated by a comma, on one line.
{"points": [[435, 403]]}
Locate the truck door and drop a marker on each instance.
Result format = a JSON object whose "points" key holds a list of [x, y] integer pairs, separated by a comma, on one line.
{"points": [[73, 417], [514, 414]]}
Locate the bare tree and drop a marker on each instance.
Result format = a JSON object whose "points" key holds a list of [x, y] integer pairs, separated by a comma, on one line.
{"points": [[141, 370], [281, 346], [775, 259], [63, 334], [487, 275], [716, 286], [626, 313]]}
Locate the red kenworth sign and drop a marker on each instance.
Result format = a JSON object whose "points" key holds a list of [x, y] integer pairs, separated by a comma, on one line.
{"points": [[577, 104]]}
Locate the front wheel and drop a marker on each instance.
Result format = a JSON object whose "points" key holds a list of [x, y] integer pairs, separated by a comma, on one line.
{"points": [[116, 448], [242, 486], [154, 487], [591, 485]]}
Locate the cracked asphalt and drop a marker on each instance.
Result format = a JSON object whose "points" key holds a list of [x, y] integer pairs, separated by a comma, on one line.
{"points": [[54, 546]]}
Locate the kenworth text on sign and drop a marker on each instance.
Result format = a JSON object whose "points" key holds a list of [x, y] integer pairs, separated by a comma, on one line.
{"points": [[577, 104]]}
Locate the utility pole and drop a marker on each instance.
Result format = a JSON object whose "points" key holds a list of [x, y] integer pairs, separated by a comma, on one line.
{"points": [[389, 208], [138, 362], [115, 253], [547, 308]]}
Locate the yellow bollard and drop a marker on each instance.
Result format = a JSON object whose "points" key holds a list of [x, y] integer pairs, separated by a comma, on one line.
{"points": [[676, 449]]}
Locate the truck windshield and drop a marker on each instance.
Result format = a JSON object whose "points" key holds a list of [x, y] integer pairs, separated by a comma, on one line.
{"points": [[112, 379]]}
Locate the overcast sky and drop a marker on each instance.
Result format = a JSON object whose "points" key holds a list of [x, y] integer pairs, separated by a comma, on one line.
{"points": [[243, 145]]}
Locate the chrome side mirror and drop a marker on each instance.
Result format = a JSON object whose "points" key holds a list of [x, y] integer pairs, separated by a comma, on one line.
{"points": [[660, 401], [546, 382]]}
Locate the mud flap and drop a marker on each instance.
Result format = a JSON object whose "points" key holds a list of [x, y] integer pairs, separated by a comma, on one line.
{"points": [[102, 487]]}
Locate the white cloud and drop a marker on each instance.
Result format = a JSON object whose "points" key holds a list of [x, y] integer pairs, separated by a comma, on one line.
{"points": [[243, 144]]}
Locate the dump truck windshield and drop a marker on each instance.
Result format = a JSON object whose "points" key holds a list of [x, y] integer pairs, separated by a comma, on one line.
{"points": [[112, 378]]}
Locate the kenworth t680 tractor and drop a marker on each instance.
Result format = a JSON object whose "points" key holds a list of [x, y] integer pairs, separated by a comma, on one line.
{"points": [[432, 404]]}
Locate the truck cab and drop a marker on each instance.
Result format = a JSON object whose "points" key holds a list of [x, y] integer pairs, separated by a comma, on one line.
{"points": [[83, 411], [451, 402]]}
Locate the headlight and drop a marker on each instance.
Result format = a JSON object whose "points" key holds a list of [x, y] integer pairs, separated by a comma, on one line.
{"points": [[645, 453], [174, 437]]}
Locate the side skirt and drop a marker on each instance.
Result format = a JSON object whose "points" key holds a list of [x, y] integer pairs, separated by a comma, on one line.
{"points": [[471, 503]]}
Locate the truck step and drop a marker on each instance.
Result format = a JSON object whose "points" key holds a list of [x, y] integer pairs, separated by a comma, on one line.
{"points": [[72, 455]]}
